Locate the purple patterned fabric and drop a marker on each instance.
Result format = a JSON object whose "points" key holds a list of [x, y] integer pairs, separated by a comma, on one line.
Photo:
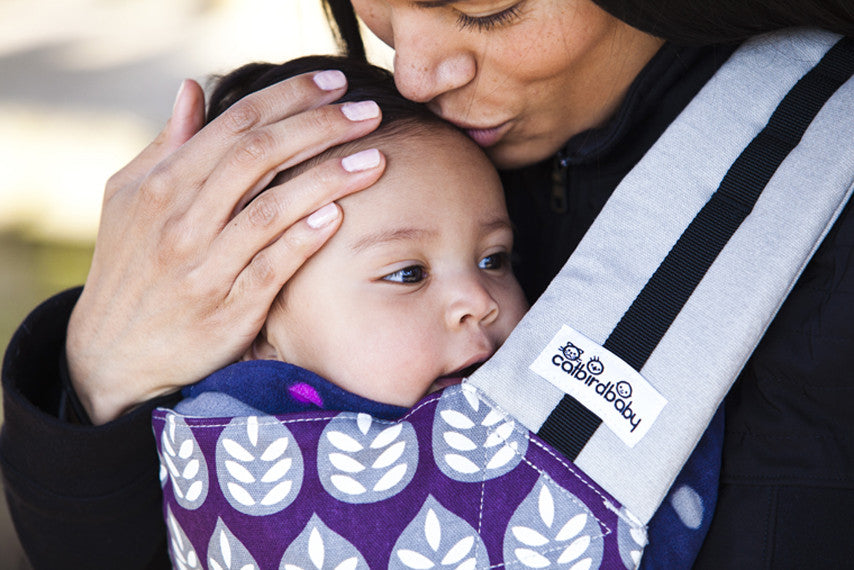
{"points": [[455, 483]]}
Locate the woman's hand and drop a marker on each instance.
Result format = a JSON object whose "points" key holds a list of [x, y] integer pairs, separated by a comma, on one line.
{"points": [[182, 276]]}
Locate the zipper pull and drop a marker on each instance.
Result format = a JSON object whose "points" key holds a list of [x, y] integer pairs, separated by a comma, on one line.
{"points": [[560, 198]]}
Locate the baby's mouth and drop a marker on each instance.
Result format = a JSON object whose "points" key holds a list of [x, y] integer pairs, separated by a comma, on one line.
{"points": [[453, 377]]}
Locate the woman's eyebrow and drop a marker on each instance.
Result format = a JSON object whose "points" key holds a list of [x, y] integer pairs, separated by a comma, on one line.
{"points": [[386, 236]]}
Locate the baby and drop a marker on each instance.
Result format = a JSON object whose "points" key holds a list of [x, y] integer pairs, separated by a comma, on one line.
{"points": [[412, 293]]}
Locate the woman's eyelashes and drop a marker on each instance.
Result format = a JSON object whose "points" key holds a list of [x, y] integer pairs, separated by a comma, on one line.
{"points": [[409, 274], [490, 21]]}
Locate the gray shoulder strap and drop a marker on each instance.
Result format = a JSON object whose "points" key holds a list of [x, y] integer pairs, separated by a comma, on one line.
{"points": [[622, 362]]}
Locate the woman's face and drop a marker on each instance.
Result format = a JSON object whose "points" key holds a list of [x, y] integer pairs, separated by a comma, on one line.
{"points": [[520, 76]]}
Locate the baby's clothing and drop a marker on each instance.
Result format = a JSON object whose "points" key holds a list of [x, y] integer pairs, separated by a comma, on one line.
{"points": [[273, 387]]}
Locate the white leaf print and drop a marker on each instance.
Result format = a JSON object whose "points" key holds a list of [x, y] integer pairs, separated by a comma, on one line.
{"points": [[239, 472], [583, 564], [167, 447], [247, 567], [349, 564], [390, 455], [387, 436], [186, 449], [529, 536], [458, 441], [344, 442], [240, 494], [236, 450], [459, 551], [171, 422], [574, 550], [347, 485], [191, 469], [531, 559], [500, 435], [364, 421], [275, 449], [471, 397], [639, 536], [504, 456], [252, 429], [277, 493], [316, 550], [172, 469], [636, 556], [572, 527], [461, 464], [225, 548], [412, 559], [492, 418], [163, 472], [345, 463], [195, 491], [390, 479], [214, 564], [456, 419], [469, 564], [277, 471], [432, 530], [547, 506]]}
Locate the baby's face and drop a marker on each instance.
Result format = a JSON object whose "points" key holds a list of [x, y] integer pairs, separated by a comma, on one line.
{"points": [[416, 286]]}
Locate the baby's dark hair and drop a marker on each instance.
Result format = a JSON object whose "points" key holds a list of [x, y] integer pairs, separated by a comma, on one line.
{"points": [[364, 81]]}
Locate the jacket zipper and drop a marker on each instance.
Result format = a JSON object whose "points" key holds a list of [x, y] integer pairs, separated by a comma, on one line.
{"points": [[560, 193]]}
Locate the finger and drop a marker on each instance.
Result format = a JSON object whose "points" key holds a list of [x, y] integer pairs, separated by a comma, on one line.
{"points": [[255, 159], [274, 211], [188, 117], [259, 109], [257, 285]]}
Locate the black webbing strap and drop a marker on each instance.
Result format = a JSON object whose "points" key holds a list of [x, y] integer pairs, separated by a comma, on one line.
{"points": [[570, 425]]}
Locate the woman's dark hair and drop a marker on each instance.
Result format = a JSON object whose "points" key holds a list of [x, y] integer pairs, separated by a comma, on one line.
{"points": [[364, 81], [683, 21]]}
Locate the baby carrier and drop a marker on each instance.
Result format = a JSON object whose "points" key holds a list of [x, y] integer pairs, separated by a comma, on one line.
{"points": [[558, 450]]}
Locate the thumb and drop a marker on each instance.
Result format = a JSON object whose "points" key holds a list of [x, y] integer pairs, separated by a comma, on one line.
{"points": [[188, 114], [188, 117]]}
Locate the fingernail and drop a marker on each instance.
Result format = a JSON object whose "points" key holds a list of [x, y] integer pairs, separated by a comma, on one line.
{"points": [[323, 216], [361, 110], [362, 160], [330, 80], [179, 96]]}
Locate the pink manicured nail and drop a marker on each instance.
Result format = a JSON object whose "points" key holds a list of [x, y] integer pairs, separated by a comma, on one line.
{"points": [[323, 216], [361, 110], [330, 80], [179, 96], [362, 160]]}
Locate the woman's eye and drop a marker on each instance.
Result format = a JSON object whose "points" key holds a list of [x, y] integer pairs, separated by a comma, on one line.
{"points": [[490, 21], [493, 262], [411, 274]]}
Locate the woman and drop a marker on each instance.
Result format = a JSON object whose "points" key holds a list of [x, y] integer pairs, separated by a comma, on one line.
{"points": [[565, 94]]}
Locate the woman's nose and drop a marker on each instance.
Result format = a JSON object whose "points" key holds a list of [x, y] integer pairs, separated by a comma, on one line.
{"points": [[427, 64], [471, 305]]}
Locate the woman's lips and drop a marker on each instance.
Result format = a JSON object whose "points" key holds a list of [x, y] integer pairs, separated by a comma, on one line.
{"points": [[487, 137]]}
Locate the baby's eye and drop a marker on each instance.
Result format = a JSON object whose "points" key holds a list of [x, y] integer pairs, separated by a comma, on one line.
{"points": [[410, 274], [494, 261]]}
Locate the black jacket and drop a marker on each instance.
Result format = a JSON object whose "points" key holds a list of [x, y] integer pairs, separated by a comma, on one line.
{"points": [[85, 497]]}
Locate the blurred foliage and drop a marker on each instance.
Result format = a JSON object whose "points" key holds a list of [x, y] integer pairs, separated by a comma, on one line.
{"points": [[31, 272]]}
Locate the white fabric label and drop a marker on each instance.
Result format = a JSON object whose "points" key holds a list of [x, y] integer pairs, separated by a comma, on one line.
{"points": [[602, 383]]}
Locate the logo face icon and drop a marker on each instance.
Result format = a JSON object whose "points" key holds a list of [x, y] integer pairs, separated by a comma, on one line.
{"points": [[595, 366], [624, 389], [571, 352]]}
